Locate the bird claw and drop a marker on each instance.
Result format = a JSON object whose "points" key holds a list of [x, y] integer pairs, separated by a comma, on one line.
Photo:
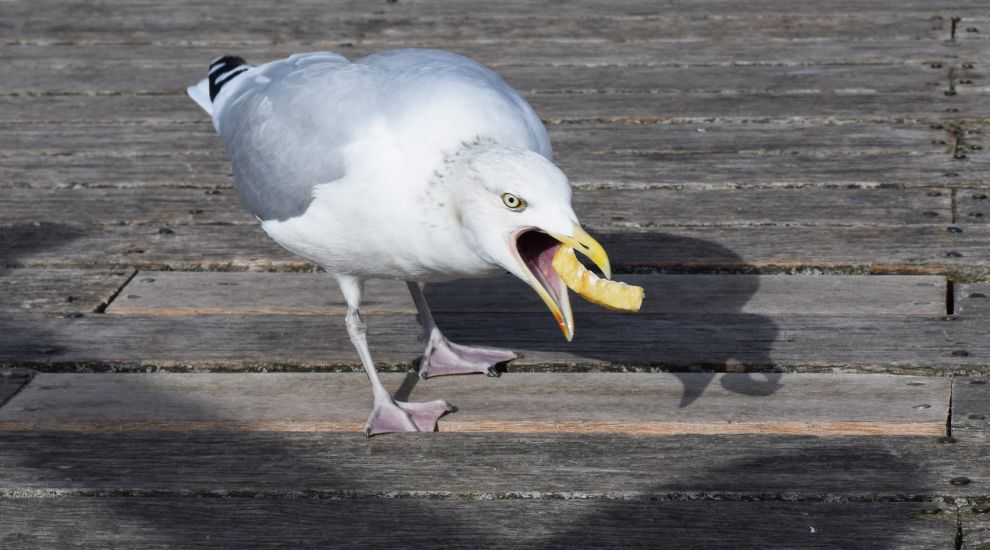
{"points": [[391, 416], [443, 357]]}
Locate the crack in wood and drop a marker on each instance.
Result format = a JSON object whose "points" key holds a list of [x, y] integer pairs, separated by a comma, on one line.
{"points": [[12, 381], [102, 307]]}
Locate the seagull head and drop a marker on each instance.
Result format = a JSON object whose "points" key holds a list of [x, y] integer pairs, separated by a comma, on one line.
{"points": [[514, 206]]}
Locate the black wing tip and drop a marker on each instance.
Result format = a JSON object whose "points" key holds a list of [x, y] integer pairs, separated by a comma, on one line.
{"points": [[223, 70]]}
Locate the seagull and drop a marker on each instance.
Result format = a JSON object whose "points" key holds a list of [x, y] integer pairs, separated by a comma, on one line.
{"points": [[415, 165]]}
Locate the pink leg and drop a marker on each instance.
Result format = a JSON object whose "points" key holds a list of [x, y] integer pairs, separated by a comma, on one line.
{"points": [[443, 357], [388, 414]]}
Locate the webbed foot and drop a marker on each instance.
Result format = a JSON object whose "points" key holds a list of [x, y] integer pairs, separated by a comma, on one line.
{"points": [[396, 416], [443, 357]]}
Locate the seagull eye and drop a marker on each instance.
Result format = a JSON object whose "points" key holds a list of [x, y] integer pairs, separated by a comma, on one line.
{"points": [[513, 202]]}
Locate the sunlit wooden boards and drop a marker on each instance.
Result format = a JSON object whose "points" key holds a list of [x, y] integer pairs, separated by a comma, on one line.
{"points": [[604, 403]]}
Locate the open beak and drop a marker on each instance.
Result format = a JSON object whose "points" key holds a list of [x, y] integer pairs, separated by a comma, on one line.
{"points": [[535, 250]]}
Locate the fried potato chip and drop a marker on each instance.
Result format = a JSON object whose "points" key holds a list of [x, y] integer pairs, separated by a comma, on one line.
{"points": [[610, 294]]}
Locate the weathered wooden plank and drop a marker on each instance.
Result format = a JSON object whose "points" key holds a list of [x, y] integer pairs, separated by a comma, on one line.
{"points": [[60, 246], [175, 141], [86, 71], [975, 527], [577, 8], [65, 291], [777, 107], [553, 108], [12, 381], [205, 171], [639, 209], [538, 53], [608, 403], [973, 206], [713, 137], [973, 300], [763, 154], [916, 249], [732, 170], [201, 142], [179, 293], [140, 522], [971, 423], [49, 155], [486, 466], [611, 208], [800, 343], [622, 169], [973, 27], [260, 23], [920, 247], [971, 408], [970, 78], [118, 206]]}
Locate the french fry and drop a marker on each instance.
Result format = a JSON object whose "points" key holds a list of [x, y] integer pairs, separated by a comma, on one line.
{"points": [[610, 294]]}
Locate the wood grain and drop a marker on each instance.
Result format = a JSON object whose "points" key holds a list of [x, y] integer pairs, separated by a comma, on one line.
{"points": [[973, 27], [258, 23], [706, 154], [59, 291], [972, 300], [13, 381], [975, 527], [253, 293], [200, 141], [584, 8], [973, 205], [971, 408], [971, 424], [917, 249], [167, 522], [94, 70], [536, 53], [733, 342], [628, 169], [770, 138], [702, 135], [465, 466], [576, 107], [600, 208], [605, 403]]}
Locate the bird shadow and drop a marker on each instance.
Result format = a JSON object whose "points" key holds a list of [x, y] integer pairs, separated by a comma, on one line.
{"points": [[278, 490], [694, 323], [20, 241], [272, 489]]}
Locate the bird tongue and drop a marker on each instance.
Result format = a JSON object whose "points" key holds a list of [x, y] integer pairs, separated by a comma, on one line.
{"points": [[537, 250]]}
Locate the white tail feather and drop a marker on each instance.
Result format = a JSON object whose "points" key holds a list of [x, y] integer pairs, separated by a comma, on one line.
{"points": [[200, 93]]}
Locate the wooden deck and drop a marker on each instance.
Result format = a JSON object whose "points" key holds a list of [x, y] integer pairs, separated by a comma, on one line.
{"points": [[802, 187]]}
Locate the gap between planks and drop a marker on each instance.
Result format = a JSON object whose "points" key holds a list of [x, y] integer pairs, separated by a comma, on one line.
{"points": [[629, 403]]}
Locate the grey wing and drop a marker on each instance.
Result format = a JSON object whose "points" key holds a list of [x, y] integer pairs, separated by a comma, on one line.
{"points": [[443, 72], [286, 124], [278, 150]]}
